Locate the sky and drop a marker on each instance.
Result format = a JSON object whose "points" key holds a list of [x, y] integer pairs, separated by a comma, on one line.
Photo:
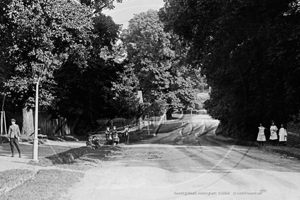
{"points": [[125, 11]]}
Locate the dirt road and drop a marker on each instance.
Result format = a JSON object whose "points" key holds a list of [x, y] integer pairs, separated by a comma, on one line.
{"points": [[168, 167]]}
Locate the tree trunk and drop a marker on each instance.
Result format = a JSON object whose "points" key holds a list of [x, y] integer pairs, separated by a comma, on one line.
{"points": [[27, 128]]}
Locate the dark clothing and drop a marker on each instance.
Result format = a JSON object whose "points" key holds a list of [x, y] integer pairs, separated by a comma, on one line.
{"points": [[115, 137], [126, 135], [108, 137], [14, 135], [14, 131], [14, 142]]}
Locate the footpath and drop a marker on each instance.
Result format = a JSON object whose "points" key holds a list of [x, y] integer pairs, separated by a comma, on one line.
{"points": [[59, 152], [50, 148], [53, 156]]}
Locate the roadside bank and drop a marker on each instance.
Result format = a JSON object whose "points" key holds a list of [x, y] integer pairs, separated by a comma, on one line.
{"points": [[288, 151]]}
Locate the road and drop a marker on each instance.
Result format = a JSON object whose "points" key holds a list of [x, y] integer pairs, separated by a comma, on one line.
{"points": [[167, 167]]}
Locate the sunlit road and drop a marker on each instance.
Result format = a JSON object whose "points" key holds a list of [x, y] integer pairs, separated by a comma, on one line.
{"points": [[210, 169]]}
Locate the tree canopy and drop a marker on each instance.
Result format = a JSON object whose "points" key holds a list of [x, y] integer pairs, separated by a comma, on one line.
{"points": [[70, 47], [158, 58], [42, 32], [248, 52]]}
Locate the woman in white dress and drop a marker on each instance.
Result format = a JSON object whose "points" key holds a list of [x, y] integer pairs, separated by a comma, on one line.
{"points": [[282, 135], [273, 135], [261, 138]]}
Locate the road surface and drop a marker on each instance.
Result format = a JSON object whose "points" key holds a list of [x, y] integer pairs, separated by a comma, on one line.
{"points": [[167, 167]]}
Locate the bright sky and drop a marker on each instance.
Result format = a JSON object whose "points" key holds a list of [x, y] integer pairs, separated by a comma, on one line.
{"points": [[124, 11]]}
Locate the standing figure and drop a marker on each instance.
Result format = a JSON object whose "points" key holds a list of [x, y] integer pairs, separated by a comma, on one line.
{"points": [[115, 136], [261, 138], [282, 135], [108, 135], [126, 134], [273, 135], [14, 136]]}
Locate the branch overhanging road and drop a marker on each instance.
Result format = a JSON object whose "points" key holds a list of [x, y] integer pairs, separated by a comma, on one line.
{"points": [[189, 163]]}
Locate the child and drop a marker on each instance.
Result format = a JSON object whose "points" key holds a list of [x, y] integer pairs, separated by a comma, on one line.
{"points": [[115, 136], [282, 135], [108, 135], [273, 136], [126, 134], [261, 138]]}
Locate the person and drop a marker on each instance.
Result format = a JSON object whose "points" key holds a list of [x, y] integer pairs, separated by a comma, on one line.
{"points": [[273, 133], [126, 134], [261, 138], [282, 135], [108, 135], [14, 136], [115, 136]]}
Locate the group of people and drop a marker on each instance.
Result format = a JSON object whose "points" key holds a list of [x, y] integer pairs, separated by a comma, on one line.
{"points": [[274, 137], [112, 136]]}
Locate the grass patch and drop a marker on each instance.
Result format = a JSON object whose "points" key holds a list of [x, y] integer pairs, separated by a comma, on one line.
{"points": [[46, 185], [12, 178]]}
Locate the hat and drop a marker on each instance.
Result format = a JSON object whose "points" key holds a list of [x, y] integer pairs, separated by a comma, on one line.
{"points": [[13, 120]]}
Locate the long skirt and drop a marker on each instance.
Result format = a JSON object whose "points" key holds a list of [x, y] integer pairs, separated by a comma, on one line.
{"points": [[282, 138], [273, 136], [261, 138]]}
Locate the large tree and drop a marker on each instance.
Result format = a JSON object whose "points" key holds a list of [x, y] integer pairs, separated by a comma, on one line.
{"points": [[248, 52], [158, 59], [41, 32]]}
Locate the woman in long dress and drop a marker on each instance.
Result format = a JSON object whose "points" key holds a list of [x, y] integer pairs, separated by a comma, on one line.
{"points": [[273, 135], [261, 138], [282, 135]]}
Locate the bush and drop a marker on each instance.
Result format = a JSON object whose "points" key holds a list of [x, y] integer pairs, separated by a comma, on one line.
{"points": [[3, 139]]}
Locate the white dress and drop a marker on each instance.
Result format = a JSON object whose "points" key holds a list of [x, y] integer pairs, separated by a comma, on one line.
{"points": [[273, 130], [282, 135], [261, 134]]}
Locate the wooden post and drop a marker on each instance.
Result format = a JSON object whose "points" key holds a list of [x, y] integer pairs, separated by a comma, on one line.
{"points": [[1, 133], [4, 121], [148, 126]]}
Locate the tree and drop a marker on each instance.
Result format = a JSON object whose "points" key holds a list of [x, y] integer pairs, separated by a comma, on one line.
{"points": [[99, 5], [91, 92], [242, 46], [42, 32], [159, 64]]}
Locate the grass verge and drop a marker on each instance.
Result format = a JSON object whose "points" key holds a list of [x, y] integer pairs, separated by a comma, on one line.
{"points": [[46, 185]]}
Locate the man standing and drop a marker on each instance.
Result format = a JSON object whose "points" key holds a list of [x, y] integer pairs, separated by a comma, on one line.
{"points": [[14, 136]]}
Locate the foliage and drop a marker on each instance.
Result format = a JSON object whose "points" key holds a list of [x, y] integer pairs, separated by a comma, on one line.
{"points": [[76, 45], [42, 32], [99, 5], [158, 59], [248, 51], [99, 89]]}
